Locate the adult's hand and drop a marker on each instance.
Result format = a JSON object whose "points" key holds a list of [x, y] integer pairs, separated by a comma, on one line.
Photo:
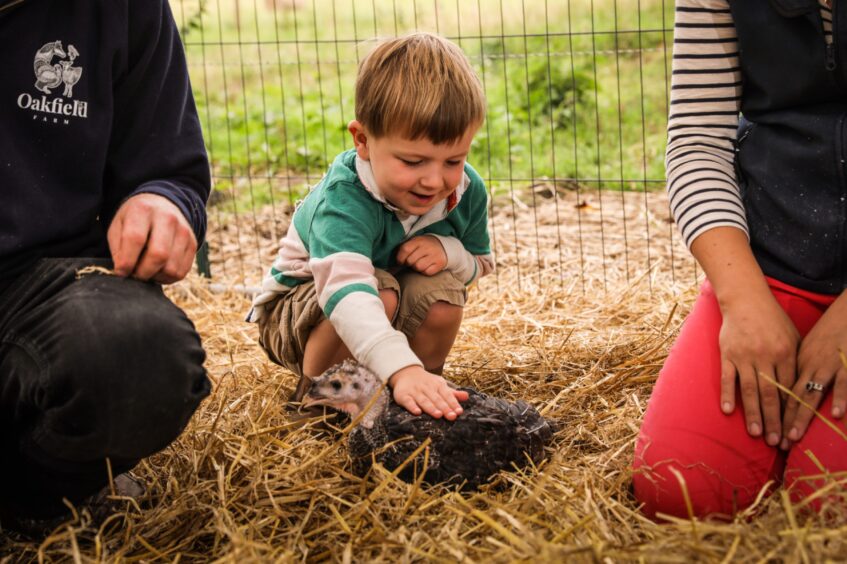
{"points": [[758, 342], [758, 345], [822, 361], [150, 239]]}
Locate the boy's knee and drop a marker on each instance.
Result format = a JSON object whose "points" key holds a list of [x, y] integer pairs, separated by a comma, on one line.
{"points": [[443, 316], [390, 300], [433, 301]]}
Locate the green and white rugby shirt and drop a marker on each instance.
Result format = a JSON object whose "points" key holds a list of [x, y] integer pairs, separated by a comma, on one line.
{"points": [[345, 228]]}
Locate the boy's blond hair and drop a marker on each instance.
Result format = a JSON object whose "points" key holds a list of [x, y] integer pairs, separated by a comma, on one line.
{"points": [[419, 85]]}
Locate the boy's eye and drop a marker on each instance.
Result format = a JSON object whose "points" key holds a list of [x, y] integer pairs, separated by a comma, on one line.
{"points": [[410, 163], [453, 163]]}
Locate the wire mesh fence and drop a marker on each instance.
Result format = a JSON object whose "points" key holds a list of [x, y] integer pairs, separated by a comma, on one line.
{"points": [[571, 150]]}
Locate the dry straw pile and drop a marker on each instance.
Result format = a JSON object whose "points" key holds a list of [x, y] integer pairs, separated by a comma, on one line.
{"points": [[244, 484]]}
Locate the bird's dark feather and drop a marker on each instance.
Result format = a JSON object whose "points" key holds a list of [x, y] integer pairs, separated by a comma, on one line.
{"points": [[491, 435]]}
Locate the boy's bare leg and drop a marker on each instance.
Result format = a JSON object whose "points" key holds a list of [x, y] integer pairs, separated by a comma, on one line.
{"points": [[324, 348], [435, 336]]}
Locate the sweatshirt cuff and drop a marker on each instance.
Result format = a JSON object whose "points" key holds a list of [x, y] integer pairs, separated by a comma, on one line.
{"points": [[459, 261], [390, 356], [168, 189]]}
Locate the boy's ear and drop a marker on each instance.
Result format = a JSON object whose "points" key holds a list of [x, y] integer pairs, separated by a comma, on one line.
{"points": [[360, 138]]}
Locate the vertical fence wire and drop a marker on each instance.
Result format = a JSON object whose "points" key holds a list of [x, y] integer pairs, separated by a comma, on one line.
{"points": [[489, 177], [538, 252], [644, 150], [248, 152], [575, 148], [554, 177], [231, 176], [620, 134]]}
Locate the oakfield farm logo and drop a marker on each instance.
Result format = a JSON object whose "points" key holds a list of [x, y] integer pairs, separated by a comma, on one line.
{"points": [[54, 70]]}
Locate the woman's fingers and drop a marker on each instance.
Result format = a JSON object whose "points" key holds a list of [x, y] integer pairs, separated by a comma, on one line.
{"points": [[727, 386], [771, 408], [812, 395], [749, 384], [839, 394]]}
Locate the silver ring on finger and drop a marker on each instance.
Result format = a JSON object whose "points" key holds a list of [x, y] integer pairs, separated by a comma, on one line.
{"points": [[814, 386]]}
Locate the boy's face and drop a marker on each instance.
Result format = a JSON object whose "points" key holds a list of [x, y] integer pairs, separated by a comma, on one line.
{"points": [[413, 175]]}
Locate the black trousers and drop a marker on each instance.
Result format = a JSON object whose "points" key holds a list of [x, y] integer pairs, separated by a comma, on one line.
{"points": [[91, 368]]}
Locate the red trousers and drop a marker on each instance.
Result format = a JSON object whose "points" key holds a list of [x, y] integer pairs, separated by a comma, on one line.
{"points": [[684, 429]]}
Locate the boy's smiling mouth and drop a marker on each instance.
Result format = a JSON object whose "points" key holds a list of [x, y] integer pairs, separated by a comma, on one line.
{"points": [[423, 198]]}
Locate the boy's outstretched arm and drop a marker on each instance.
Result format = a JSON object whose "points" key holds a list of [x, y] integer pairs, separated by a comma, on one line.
{"points": [[418, 390]]}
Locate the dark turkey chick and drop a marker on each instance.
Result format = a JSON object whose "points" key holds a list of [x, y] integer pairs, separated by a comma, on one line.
{"points": [[489, 436]]}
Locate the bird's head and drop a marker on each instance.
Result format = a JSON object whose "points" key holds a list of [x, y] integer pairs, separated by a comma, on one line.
{"points": [[347, 386]]}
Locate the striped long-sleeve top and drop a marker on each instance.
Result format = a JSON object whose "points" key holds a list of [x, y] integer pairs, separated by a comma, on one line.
{"points": [[345, 228], [705, 101]]}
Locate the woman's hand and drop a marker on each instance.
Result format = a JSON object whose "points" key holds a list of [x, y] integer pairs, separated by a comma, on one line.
{"points": [[758, 345], [757, 340], [822, 360]]}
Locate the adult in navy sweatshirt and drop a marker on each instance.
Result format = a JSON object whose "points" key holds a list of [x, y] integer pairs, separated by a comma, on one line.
{"points": [[101, 163]]}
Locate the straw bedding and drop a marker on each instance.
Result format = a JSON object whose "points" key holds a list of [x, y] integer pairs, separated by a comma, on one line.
{"points": [[244, 483]]}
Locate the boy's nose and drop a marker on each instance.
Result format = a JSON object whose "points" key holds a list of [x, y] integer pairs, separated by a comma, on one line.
{"points": [[431, 180]]}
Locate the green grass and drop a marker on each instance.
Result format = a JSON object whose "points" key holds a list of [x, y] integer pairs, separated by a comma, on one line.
{"points": [[574, 90]]}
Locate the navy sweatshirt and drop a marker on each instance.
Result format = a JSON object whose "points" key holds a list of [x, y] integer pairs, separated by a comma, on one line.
{"points": [[95, 107]]}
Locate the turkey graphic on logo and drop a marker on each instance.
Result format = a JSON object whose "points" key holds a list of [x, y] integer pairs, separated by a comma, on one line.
{"points": [[51, 75], [54, 68]]}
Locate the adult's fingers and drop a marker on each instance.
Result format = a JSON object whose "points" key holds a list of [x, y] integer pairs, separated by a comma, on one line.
{"points": [[750, 399], [771, 408], [812, 399], [786, 375], [158, 250], [839, 394], [180, 260], [790, 412], [127, 238], [728, 374]]}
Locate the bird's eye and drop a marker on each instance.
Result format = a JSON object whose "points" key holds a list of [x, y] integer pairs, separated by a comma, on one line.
{"points": [[336, 385], [356, 386]]}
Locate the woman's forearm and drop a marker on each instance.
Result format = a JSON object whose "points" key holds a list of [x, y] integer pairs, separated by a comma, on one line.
{"points": [[726, 257]]}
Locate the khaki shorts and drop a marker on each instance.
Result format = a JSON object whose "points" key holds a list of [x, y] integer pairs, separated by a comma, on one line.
{"points": [[289, 320]]}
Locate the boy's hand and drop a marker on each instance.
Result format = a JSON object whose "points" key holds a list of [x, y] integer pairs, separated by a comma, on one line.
{"points": [[416, 390], [423, 253]]}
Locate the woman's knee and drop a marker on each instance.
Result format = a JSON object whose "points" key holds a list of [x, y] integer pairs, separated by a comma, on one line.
{"points": [[817, 462], [685, 475]]}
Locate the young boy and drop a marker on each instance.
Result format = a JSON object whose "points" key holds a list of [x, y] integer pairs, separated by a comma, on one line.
{"points": [[378, 256]]}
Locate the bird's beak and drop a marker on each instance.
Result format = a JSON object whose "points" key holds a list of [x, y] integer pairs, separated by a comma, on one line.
{"points": [[311, 400]]}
